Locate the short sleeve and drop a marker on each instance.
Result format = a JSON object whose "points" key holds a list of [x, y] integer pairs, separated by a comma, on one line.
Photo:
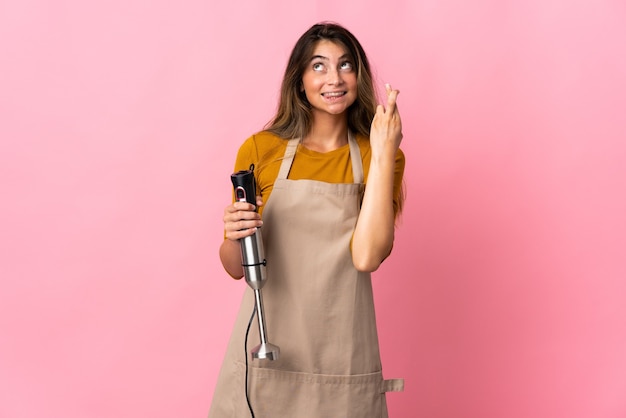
{"points": [[398, 181], [247, 155]]}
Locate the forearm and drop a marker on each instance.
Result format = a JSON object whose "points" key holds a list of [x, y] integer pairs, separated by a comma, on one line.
{"points": [[373, 236], [230, 255], [240, 220], [374, 233]]}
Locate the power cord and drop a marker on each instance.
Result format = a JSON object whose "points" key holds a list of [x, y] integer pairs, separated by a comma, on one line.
{"points": [[245, 350]]}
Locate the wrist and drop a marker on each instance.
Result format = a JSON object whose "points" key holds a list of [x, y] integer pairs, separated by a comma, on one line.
{"points": [[383, 160]]}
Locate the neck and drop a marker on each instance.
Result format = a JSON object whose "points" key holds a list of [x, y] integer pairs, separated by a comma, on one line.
{"points": [[327, 135]]}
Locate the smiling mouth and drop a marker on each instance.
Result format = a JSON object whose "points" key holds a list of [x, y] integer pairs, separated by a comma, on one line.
{"points": [[334, 94]]}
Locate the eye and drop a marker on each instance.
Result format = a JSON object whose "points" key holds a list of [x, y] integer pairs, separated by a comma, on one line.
{"points": [[346, 66], [318, 66]]}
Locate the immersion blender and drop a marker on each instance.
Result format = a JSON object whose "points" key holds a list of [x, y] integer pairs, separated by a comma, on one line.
{"points": [[253, 261]]}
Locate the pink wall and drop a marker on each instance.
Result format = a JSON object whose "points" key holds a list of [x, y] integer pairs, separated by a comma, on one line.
{"points": [[119, 123]]}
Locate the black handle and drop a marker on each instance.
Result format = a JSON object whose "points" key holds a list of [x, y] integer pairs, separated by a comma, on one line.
{"points": [[244, 185]]}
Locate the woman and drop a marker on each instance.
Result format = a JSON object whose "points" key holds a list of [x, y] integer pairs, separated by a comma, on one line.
{"points": [[323, 231]]}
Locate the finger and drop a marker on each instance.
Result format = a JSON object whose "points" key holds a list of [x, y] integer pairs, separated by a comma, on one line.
{"points": [[392, 97], [236, 227], [238, 234], [389, 90], [242, 225], [241, 215], [242, 206], [396, 111], [259, 201], [231, 218]]}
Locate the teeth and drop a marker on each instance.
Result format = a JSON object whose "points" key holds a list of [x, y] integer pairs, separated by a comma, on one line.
{"points": [[336, 94]]}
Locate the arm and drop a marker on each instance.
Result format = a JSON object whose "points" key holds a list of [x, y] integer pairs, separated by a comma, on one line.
{"points": [[374, 232], [240, 220]]}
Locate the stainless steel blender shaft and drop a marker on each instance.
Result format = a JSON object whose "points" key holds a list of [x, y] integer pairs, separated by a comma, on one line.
{"points": [[253, 262], [264, 350]]}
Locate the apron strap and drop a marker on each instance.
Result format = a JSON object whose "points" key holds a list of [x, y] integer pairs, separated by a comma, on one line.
{"points": [[355, 156], [392, 385], [290, 152]]}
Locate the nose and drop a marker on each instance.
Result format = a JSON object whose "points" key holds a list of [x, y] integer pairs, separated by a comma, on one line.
{"points": [[334, 77]]}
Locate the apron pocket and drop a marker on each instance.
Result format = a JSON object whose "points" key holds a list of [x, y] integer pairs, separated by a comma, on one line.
{"points": [[277, 394]]}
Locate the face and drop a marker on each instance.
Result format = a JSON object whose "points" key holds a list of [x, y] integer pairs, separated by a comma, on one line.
{"points": [[329, 80]]}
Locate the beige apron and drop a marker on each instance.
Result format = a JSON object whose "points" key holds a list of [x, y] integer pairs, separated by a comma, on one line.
{"points": [[319, 310]]}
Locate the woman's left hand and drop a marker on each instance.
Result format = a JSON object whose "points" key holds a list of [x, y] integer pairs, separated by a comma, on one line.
{"points": [[386, 130]]}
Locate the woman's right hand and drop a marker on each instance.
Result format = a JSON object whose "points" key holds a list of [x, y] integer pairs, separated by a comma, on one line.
{"points": [[241, 219]]}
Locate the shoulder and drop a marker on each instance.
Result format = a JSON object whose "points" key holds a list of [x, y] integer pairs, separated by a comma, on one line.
{"points": [[263, 141], [259, 148]]}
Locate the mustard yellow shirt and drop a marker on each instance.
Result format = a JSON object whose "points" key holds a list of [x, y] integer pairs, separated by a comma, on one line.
{"points": [[266, 150]]}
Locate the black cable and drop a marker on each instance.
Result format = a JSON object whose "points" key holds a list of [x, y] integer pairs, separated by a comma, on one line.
{"points": [[245, 350]]}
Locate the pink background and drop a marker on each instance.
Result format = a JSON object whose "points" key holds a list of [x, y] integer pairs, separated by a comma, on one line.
{"points": [[119, 124]]}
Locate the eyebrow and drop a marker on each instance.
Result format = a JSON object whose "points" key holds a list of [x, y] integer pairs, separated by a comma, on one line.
{"points": [[344, 56]]}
